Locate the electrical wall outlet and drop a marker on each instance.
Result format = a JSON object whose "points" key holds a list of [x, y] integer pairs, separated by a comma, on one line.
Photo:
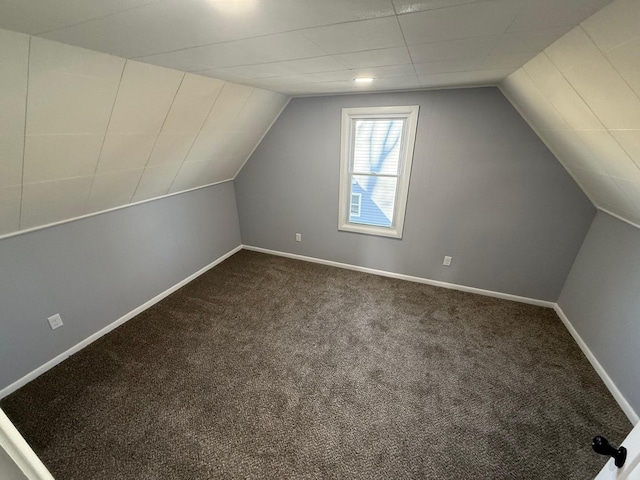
{"points": [[447, 261], [298, 237], [55, 321]]}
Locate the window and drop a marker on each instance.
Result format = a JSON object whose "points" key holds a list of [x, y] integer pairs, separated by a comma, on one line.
{"points": [[375, 165]]}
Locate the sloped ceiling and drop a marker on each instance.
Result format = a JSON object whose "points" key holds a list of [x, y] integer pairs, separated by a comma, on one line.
{"points": [[312, 46], [582, 96], [195, 86], [82, 131]]}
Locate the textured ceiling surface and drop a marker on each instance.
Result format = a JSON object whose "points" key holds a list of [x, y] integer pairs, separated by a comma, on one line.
{"points": [[582, 96], [312, 46], [82, 131]]}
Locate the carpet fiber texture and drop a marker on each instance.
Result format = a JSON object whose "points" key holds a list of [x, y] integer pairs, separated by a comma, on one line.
{"points": [[267, 367]]}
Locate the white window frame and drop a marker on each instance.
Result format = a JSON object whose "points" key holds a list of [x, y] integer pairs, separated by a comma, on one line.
{"points": [[349, 115]]}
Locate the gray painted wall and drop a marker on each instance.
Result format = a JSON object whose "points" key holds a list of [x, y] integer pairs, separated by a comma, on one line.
{"points": [[601, 299], [94, 270], [484, 189]]}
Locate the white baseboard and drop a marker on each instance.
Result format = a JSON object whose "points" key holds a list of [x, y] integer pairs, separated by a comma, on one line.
{"points": [[617, 394], [410, 278], [76, 348]]}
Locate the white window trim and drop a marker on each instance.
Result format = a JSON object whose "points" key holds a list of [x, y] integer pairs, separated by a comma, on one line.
{"points": [[410, 113]]}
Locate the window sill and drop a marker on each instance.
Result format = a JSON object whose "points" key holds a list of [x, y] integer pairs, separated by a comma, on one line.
{"points": [[370, 230]]}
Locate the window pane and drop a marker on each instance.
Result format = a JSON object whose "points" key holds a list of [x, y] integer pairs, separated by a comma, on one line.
{"points": [[377, 146], [377, 199]]}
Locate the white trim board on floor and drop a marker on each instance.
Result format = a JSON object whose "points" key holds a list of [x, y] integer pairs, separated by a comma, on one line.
{"points": [[410, 278], [611, 386], [136, 311], [20, 453]]}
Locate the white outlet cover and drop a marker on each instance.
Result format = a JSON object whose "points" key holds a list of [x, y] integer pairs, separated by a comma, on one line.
{"points": [[298, 237], [447, 261], [55, 321]]}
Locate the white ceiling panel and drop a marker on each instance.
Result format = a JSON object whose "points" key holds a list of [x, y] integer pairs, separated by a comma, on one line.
{"points": [[171, 147], [10, 198], [388, 83], [357, 36], [609, 154], [38, 16], [53, 109], [54, 157], [632, 192], [14, 60], [464, 48], [113, 189], [571, 151], [375, 58], [145, 95], [206, 146], [554, 13], [596, 80], [410, 6], [261, 70], [513, 60], [555, 87], [160, 27], [11, 147], [227, 106], [528, 42], [463, 21], [630, 141], [155, 181], [49, 202], [193, 174], [311, 65], [448, 66], [531, 102], [603, 190], [192, 103], [615, 24], [476, 77], [125, 151], [624, 59]]}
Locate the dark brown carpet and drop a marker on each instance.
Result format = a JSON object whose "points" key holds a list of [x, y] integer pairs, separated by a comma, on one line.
{"points": [[267, 367]]}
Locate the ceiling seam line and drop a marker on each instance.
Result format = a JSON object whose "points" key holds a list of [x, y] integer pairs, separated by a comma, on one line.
{"points": [[195, 139], [106, 132], [97, 18], [155, 142], [24, 138], [294, 30]]}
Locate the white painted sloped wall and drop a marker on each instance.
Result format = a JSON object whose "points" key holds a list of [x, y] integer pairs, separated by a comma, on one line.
{"points": [[582, 97], [82, 131]]}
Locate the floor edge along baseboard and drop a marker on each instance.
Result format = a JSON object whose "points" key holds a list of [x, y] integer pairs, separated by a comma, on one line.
{"points": [[87, 341], [410, 278]]}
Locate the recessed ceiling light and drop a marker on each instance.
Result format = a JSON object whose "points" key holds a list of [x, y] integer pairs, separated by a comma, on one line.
{"points": [[363, 80]]}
